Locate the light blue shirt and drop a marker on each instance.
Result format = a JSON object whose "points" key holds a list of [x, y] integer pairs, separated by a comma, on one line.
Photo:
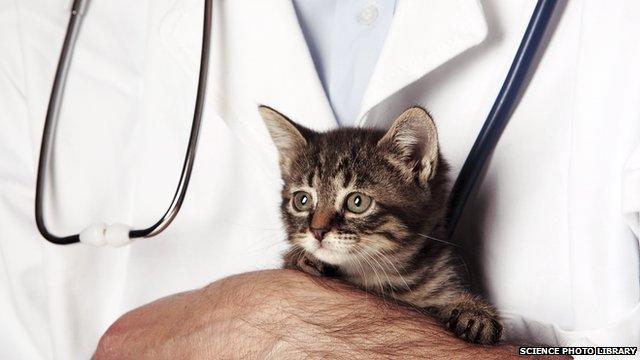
{"points": [[345, 38]]}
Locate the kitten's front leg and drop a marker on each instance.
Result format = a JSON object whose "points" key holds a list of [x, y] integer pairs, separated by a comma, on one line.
{"points": [[297, 259], [471, 318]]}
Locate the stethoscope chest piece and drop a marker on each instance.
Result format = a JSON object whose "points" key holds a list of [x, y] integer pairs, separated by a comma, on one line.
{"points": [[101, 234]]}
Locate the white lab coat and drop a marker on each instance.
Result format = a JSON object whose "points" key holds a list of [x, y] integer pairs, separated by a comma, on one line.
{"points": [[554, 224]]}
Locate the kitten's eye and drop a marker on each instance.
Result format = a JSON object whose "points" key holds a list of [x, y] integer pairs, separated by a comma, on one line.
{"points": [[358, 203], [302, 201]]}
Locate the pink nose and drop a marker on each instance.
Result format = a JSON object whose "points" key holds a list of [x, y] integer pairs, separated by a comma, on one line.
{"points": [[319, 233]]}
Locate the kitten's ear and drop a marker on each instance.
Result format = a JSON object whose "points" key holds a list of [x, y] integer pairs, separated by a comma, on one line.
{"points": [[286, 135], [413, 140]]}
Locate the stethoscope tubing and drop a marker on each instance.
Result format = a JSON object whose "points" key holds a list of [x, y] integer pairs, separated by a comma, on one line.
{"points": [[55, 101], [501, 111], [465, 183]]}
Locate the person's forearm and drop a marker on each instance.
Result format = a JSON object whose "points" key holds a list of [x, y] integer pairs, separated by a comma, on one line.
{"points": [[317, 317], [282, 314]]}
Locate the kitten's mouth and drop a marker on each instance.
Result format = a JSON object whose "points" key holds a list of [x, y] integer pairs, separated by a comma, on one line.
{"points": [[331, 249], [330, 256]]}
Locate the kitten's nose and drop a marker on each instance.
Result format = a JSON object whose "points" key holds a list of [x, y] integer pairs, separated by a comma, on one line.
{"points": [[319, 233]]}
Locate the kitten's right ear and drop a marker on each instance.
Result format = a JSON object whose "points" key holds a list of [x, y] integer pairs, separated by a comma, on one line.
{"points": [[287, 137]]}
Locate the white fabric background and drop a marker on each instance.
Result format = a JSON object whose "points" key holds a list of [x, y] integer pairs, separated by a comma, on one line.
{"points": [[554, 225]]}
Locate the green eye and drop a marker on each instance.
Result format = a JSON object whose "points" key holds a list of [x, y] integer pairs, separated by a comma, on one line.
{"points": [[302, 201], [358, 203]]}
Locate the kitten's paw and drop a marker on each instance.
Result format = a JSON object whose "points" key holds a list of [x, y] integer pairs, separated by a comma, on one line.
{"points": [[473, 323], [310, 265], [296, 260]]}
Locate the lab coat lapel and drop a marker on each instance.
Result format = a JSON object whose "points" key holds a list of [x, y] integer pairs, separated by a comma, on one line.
{"points": [[423, 36], [292, 83], [259, 56]]}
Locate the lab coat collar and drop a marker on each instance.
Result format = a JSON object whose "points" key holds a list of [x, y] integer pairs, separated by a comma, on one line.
{"points": [[258, 52], [266, 37], [423, 35]]}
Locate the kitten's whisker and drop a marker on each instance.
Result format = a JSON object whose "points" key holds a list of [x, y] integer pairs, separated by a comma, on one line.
{"points": [[361, 269], [462, 259], [362, 257], [372, 267], [392, 288], [265, 243], [299, 250], [439, 240], [363, 276], [384, 257], [384, 271]]}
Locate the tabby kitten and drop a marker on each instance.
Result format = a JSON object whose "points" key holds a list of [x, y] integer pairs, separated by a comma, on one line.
{"points": [[369, 207]]}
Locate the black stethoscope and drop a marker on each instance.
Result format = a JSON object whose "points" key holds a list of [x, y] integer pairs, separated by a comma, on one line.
{"points": [[120, 234]]}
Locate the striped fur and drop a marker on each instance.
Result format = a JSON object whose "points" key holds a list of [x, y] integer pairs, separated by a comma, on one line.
{"points": [[395, 247]]}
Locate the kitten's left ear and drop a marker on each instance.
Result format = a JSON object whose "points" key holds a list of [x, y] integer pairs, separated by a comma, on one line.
{"points": [[413, 140], [288, 137]]}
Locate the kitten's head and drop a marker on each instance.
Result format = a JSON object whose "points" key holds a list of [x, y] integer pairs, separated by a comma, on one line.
{"points": [[352, 193]]}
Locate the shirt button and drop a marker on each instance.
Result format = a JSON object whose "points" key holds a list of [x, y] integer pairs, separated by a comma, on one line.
{"points": [[368, 15]]}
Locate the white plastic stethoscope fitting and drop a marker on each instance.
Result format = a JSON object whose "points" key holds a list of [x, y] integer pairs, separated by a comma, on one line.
{"points": [[101, 234]]}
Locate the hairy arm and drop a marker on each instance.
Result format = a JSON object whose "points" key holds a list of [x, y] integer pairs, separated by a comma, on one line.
{"points": [[282, 314]]}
